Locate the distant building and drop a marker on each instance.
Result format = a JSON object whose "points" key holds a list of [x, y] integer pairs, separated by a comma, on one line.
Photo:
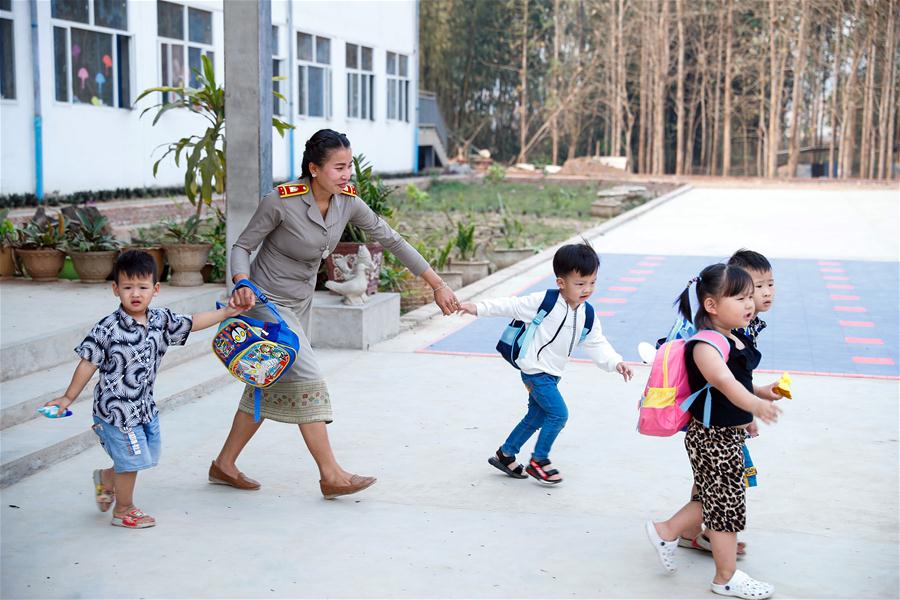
{"points": [[350, 66]]}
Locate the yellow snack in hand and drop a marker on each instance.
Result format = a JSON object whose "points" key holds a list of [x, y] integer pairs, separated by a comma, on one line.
{"points": [[783, 386]]}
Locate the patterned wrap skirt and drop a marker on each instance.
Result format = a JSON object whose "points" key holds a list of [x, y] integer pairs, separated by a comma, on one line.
{"points": [[301, 395]]}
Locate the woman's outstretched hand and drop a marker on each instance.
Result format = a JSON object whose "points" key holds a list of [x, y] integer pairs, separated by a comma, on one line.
{"points": [[446, 300]]}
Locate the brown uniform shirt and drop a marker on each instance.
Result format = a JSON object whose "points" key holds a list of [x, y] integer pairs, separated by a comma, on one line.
{"points": [[293, 237]]}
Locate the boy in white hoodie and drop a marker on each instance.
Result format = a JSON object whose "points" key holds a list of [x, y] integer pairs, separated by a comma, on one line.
{"points": [[543, 360]]}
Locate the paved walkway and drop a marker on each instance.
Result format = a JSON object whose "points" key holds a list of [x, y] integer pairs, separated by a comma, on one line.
{"points": [[441, 523]]}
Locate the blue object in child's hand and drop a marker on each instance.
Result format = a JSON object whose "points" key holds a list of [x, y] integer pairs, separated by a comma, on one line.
{"points": [[52, 412]]}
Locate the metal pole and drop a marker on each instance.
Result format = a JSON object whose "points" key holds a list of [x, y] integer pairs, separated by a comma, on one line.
{"points": [[38, 116]]}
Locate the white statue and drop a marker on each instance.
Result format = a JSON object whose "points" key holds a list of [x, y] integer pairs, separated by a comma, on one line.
{"points": [[356, 279]]}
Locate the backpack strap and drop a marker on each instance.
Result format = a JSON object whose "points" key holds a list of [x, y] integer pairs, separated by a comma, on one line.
{"points": [[547, 304], [262, 298], [714, 339], [588, 321]]}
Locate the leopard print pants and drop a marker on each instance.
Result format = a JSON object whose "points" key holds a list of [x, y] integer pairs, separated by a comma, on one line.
{"points": [[718, 464]]}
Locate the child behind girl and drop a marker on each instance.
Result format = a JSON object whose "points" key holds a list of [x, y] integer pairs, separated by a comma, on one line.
{"points": [[725, 299]]}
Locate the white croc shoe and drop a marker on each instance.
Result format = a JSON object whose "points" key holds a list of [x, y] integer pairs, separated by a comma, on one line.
{"points": [[665, 550], [742, 585]]}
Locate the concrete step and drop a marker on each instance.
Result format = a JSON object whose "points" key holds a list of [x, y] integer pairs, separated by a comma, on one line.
{"points": [[21, 397], [42, 323], [35, 444]]}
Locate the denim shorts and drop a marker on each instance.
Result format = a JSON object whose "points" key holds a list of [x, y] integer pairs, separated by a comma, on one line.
{"points": [[135, 450]]}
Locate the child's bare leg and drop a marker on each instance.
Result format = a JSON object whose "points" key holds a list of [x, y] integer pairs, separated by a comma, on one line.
{"points": [[724, 548], [694, 528], [689, 514], [124, 492]]}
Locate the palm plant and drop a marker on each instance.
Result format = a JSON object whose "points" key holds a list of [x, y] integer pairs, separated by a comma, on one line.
{"points": [[43, 231], [204, 155]]}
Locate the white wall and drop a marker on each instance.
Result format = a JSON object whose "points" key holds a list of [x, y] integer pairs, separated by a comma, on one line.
{"points": [[94, 148]]}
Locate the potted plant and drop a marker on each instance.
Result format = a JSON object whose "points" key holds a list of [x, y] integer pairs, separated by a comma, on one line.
{"points": [[204, 161], [511, 230], [374, 193], [471, 269], [187, 251], [7, 237], [146, 243], [441, 264], [91, 245], [38, 242], [214, 269]]}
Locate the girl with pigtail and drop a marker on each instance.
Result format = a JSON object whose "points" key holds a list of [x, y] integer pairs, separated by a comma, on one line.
{"points": [[725, 305]]}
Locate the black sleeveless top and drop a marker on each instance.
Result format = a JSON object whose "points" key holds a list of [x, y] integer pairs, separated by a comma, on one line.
{"points": [[741, 364]]}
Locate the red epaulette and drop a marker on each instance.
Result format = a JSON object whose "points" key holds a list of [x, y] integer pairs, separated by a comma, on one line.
{"points": [[350, 190], [288, 190]]}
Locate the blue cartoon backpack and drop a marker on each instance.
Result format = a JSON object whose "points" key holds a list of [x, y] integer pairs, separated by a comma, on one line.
{"points": [[256, 352], [517, 336]]}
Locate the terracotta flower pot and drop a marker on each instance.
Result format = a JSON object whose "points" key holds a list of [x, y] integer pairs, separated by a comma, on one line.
{"points": [[7, 262], [94, 267], [415, 293], [187, 262], [348, 250], [471, 270], [504, 257], [158, 254], [42, 264]]}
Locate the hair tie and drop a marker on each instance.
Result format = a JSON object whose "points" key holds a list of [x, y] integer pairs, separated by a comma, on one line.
{"points": [[697, 279]]}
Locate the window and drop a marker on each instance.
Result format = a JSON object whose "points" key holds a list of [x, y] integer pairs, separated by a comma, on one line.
{"points": [[278, 107], [7, 52], [91, 60], [182, 30], [313, 75], [360, 82], [397, 86]]}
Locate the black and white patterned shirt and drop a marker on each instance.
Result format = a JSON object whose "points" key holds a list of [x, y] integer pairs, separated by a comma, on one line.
{"points": [[753, 328], [127, 355]]}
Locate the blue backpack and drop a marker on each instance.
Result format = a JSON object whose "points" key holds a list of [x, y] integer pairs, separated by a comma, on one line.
{"points": [[517, 336], [256, 352]]}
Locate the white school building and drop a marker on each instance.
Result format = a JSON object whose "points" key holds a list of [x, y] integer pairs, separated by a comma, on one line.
{"points": [[350, 65]]}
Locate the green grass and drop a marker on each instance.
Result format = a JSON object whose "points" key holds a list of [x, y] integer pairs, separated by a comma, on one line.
{"points": [[548, 199]]}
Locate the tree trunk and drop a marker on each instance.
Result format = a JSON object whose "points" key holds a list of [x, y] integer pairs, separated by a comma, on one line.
{"points": [[799, 68], [659, 130], [832, 171], [776, 78], [848, 107], [726, 110], [717, 82], [868, 107], [679, 94], [523, 83], [554, 130], [887, 97], [644, 93]]}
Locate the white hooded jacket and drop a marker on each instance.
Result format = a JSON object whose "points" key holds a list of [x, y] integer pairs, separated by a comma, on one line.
{"points": [[556, 337]]}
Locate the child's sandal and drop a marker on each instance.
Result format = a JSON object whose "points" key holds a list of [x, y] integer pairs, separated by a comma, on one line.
{"points": [[134, 519], [742, 585], [503, 462], [536, 469], [103, 497]]}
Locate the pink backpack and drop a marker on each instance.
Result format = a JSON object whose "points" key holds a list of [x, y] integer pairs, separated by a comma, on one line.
{"points": [[667, 397]]}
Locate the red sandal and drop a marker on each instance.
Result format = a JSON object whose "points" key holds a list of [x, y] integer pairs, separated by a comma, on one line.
{"points": [[134, 519], [536, 469]]}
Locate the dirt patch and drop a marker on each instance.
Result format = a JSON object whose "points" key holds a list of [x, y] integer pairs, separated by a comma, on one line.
{"points": [[589, 166]]}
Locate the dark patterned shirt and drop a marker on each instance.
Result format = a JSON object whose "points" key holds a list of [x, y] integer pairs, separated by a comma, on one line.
{"points": [[753, 329], [127, 355]]}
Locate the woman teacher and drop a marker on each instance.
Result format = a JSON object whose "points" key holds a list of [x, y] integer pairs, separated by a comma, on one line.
{"points": [[295, 227]]}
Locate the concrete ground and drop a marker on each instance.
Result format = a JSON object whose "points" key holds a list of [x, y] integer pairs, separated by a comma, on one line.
{"points": [[823, 522]]}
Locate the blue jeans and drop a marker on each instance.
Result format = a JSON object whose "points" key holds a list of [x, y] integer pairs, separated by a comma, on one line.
{"points": [[547, 411], [136, 450]]}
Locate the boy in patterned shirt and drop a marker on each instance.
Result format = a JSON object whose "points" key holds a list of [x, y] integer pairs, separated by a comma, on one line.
{"points": [[127, 347]]}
